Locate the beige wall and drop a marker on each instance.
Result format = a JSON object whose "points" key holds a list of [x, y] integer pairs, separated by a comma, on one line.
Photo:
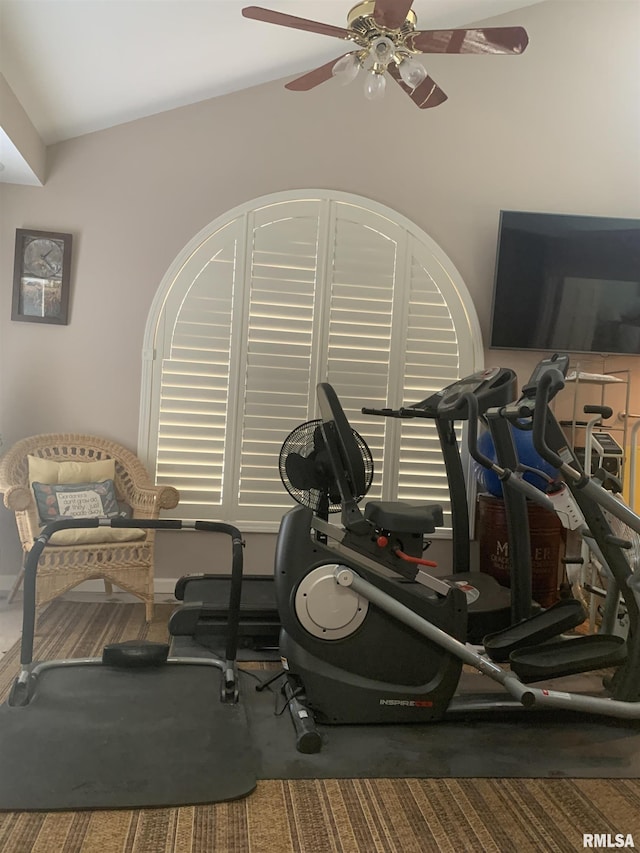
{"points": [[557, 129]]}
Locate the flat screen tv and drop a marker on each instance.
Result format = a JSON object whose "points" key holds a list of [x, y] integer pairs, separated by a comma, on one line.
{"points": [[567, 283]]}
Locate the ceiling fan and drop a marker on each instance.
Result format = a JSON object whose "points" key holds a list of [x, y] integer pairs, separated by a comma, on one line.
{"points": [[384, 33]]}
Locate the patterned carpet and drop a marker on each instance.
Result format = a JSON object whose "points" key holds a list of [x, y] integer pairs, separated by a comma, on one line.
{"points": [[313, 816]]}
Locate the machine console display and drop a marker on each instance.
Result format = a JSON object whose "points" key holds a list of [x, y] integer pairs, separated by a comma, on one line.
{"points": [[556, 362], [494, 386]]}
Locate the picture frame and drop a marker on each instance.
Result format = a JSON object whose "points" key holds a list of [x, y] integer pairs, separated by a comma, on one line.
{"points": [[41, 277]]}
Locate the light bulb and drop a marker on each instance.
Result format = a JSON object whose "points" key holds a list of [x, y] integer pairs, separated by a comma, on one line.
{"points": [[374, 86], [382, 49], [411, 72], [346, 68]]}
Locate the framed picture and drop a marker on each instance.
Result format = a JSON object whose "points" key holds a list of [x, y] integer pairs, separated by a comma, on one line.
{"points": [[41, 275]]}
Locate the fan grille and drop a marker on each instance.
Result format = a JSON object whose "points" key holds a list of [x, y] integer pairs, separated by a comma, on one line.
{"points": [[305, 468]]}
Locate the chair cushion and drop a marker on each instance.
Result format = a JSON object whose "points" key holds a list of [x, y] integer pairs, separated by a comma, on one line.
{"points": [[96, 535], [49, 471], [76, 500]]}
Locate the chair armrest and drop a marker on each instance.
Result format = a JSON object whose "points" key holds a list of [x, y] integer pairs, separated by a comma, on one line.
{"points": [[146, 502], [18, 498]]}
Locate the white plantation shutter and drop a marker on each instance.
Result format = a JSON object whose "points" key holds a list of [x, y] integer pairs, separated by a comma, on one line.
{"points": [[285, 292], [432, 361], [360, 319], [275, 385], [192, 388]]}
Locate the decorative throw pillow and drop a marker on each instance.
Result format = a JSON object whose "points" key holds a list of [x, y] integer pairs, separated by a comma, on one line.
{"points": [[49, 471], [81, 500]]}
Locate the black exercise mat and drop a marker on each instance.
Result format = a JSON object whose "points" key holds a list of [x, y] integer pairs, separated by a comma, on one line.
{"points": [[94, 737], [508, 744]]}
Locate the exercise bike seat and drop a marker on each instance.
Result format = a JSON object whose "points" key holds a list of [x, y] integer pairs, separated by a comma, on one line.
{"points": [[402, 517]]}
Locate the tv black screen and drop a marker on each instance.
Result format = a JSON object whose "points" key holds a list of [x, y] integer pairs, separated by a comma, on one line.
{"points": [[567, 283]]}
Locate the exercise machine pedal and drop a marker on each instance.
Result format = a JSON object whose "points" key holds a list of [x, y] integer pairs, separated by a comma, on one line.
{"points": [[545, 625], [568, 657]]}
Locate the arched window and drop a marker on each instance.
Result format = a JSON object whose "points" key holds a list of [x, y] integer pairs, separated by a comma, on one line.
{"points": [[268, 300]]}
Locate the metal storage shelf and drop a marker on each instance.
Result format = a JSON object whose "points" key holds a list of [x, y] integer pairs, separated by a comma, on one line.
{"points": [[615, 391]]}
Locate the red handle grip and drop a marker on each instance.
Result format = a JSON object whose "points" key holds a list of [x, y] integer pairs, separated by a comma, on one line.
{"points": [[417, 560]]}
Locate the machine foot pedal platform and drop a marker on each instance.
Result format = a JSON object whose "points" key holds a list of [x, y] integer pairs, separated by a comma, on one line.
{"points": [[560, 617], [568, 657]]}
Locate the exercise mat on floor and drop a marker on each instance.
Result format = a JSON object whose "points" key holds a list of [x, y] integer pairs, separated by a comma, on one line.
{"points": [[520, 744], [95, 737]]}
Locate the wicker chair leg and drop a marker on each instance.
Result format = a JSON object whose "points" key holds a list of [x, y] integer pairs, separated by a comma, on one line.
{"points": [[148, 610], [108, 587], [16, 586]]}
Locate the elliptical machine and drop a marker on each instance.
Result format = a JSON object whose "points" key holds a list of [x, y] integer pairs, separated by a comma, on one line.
{"points": [[368, 637]]}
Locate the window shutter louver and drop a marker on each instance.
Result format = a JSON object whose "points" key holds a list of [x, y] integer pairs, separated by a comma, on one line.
{"points": [[290, 291], [431, 362], [361, 304], [279, 344], [194, 400]]}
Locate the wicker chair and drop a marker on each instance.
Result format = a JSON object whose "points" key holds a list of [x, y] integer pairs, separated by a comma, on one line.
{"points": [[127, 564]]}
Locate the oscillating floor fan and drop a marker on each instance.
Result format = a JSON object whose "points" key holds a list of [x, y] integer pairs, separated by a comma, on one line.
{"points": [[305, 469]]}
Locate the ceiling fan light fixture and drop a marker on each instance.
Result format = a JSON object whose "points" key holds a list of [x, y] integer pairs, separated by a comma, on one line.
{"points": [[375, 84], [382, 50], [346, 68], [386, 41], [412, 72]]}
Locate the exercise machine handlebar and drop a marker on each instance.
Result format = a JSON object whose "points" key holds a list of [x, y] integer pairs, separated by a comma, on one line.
{"points": [[472, 437], [505, 475], [33, 558], [605, 412], [548, 386], [402, 412]]}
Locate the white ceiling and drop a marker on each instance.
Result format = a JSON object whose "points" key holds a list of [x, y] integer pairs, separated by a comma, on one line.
{"points": [[78, 66]]}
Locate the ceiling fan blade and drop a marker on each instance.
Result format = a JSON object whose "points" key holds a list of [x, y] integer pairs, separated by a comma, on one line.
{"points": [[427, 94], [257, 13], [391, 13], [312, 78], [485, 40]]}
